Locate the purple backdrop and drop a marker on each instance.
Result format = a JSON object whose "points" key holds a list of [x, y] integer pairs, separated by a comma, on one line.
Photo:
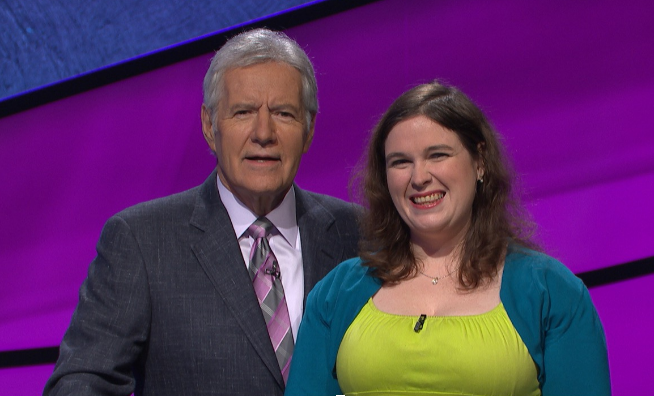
{"points": [[569, 86]]}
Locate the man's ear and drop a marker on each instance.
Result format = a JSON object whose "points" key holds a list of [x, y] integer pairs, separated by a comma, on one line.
{"points": [[309, 135], [207, 128]]}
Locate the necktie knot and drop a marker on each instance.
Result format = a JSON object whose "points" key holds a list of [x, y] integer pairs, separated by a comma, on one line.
{"points": [[260, 228]]}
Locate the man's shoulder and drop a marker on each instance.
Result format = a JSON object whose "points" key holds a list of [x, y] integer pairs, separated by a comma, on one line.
{"points": [[335, 206], [177, 204]]}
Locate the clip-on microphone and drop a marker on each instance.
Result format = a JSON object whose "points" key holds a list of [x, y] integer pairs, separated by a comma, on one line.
{"points": [[274, 271]]}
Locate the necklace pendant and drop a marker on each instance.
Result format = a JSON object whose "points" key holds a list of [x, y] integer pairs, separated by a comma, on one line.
{"points": [[434, 281]]}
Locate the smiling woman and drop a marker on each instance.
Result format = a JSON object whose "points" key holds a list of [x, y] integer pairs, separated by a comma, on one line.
{"points": [[432, 180], [451, 148], [447, 280]]}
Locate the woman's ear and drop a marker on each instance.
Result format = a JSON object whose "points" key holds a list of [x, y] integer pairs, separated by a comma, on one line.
{"points": [[481, 163]]}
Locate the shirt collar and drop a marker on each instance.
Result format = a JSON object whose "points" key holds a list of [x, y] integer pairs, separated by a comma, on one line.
{"points": [[283, 217]]}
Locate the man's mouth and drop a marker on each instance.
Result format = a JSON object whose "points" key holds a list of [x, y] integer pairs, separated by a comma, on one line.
{"points": [[261, 159], [428, 199]]}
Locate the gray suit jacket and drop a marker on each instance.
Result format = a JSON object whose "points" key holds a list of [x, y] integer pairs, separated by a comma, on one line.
{"points": [[168, 307]]}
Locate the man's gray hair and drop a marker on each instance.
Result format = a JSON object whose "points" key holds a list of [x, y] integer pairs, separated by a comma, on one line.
{"points": [[255, 47]]}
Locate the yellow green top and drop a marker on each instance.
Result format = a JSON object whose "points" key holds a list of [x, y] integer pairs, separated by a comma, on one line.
{"points": [[381, 354]]}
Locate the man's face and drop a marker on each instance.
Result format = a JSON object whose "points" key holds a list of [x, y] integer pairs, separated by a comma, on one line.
{"points": [[258, 133]]}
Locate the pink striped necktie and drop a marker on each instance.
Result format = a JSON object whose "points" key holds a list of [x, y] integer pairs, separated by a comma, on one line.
{"points": [[266, 279]]}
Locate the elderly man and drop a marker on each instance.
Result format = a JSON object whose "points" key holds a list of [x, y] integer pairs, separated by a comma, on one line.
{"points": [[202, 292]]}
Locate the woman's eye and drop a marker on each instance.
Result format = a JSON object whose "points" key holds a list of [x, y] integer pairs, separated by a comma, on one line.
{"points": [[437, 155], [398, 163]]}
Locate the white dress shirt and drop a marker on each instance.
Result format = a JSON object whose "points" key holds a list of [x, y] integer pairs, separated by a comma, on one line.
{"points": [[285, 244]]}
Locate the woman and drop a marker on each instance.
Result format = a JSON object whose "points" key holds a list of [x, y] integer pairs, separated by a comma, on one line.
{"points": [[448, 296]]}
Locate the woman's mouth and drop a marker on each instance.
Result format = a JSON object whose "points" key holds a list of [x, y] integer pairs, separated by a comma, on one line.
{"points": [[428, 199]]}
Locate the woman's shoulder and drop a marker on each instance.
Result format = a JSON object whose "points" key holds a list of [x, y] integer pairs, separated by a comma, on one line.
{"points": [[348, 280], [346, 274], [541, 271]]}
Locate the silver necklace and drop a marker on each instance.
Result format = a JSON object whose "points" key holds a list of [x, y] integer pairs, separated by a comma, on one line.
{"points": [[435, 279]]}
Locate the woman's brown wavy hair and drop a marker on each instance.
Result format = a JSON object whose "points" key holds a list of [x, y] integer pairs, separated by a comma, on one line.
{"points": [[497, 219]]}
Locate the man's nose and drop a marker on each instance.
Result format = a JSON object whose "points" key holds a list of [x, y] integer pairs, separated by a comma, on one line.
{"points": [[264, 128]]}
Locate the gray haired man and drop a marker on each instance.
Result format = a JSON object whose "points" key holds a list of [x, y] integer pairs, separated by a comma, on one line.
{"points": [[173, 301]]}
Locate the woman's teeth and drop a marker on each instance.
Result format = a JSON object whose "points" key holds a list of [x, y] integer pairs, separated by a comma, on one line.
{"points": [[428, 199]]}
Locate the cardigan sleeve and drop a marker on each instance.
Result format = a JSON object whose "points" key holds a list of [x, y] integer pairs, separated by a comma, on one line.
{"points": [[331, 307], [552, 311], [574, 351], [310, 372]]}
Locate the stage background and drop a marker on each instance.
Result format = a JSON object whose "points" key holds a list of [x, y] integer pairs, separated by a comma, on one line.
{"points": [[45, 41], [568, 85]]}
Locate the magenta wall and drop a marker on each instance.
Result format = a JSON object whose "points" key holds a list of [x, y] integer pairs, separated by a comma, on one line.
{"points": [[569, 85]]}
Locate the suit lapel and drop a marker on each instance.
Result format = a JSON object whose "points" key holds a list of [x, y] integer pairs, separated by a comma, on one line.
{"points": [[218, 253], [322, 248]]}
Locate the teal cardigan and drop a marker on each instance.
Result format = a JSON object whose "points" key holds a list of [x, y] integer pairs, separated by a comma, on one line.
{"points": [[548, 305]]}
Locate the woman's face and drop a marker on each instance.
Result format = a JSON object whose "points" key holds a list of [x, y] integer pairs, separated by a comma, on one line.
{"points": [[431, 179]]}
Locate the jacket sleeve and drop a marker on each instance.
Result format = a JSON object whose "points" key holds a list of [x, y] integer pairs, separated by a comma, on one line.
{"points": [[574, 352], [109, 328]]}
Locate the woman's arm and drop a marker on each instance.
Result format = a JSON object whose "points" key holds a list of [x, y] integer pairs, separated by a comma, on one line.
{"points": [[575, 354]]}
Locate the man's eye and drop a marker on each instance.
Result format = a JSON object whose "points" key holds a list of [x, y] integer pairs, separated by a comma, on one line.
{"points": [[243, 113], [285, 114]]}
